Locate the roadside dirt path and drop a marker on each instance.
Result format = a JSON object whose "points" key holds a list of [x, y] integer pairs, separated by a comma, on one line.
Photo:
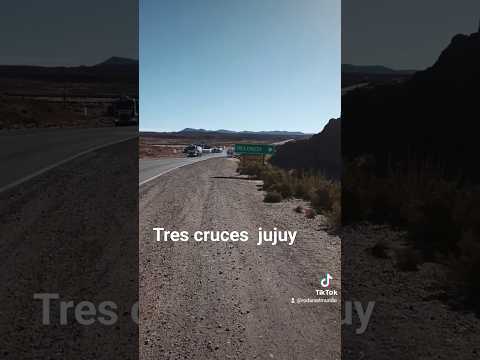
{"points": [[231, 300]]}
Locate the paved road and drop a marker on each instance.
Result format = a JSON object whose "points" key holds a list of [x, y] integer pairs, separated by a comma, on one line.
{"points": [[149, 169], [24, 153]]}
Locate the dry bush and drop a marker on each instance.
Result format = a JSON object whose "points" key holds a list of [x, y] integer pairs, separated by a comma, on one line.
{"points": [[407, 259], [273, 197], [310, 213], [298, 209], [251, 169], [466, 268], [441, 216], [323, 194], [380, 249]]}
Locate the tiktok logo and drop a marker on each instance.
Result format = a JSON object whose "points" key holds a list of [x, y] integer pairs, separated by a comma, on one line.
{"points": [[325, 282]]}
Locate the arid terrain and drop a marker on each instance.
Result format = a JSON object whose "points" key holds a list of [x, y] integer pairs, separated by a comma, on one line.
{"points": [[40, 97], [418, 314], [71, 231], [171, 144], [230, 300]]}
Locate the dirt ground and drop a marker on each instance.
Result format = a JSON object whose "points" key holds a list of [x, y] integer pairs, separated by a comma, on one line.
{"points": [[413, 316], [72, 231], [154, 151], [19, 113], [230, 300], [27, 103]]}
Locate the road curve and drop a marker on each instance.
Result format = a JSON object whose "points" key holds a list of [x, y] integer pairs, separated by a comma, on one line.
{"points": [[150, 169]]}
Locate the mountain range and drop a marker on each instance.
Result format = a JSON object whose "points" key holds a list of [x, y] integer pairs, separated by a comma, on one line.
{"points": [[373, 74], [223, 131], [113, 69], [373, 69]]}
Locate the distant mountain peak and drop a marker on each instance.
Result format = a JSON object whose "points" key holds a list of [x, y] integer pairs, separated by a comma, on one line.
{"points": [[372, 69], [117, 60]]}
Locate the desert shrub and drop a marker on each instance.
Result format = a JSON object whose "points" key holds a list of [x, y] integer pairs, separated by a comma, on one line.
{"points": [[407, 259], [271, 178], [279, 184], [273, 197], [310, 213], [321, 199], [300, 190], [380, 249], [441, 216], [432, 227], [284, 189], [335, 215], [251, 169], [298, 209], [466, 268], [418, 200]]}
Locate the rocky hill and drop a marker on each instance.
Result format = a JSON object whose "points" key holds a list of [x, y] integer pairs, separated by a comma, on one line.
{"points": [[320, 153], [430, 118]]}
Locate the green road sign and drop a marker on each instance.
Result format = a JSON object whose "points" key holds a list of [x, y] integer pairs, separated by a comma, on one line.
{"points": [[254, 149]]}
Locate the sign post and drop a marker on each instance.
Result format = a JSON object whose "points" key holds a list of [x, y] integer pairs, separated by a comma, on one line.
{"points": [[254, 152], [254, 149]]}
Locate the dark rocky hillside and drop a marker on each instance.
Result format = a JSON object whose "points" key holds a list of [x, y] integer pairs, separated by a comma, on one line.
{"points": [[321, 152], [113, 70], [430, 118]]}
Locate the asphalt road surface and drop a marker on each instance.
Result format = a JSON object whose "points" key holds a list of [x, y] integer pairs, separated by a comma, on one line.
{"points": [[231, 300], [149, 169], [24, 153]]}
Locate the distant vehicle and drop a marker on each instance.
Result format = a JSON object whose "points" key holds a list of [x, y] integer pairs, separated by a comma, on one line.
{"points": [[208, 150], [195, 151], [125, 111], [217, 150], [188, 148]]}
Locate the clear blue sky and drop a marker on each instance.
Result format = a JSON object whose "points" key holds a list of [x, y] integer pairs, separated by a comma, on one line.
{"points": [[239, 64]]}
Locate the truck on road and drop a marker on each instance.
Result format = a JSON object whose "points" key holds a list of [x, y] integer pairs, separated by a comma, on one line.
{"points": [[125, 111]]}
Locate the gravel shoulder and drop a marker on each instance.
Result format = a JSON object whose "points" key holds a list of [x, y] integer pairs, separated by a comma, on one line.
{"points": [[231, 300], [73, 232]]}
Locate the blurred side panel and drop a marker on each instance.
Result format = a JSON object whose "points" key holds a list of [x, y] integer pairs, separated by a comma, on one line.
{"points": [[69, 180], [411, 200]]}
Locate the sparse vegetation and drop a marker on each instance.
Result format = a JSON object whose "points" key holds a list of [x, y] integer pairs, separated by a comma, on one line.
{"points": [[380, 249], [298, 209], [441, 216], [324, 195], [407, 259], [310, 213], [273, 197]]}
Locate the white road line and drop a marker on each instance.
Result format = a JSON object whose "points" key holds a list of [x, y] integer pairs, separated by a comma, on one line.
{"points": [[61, 162], [175, 168]]}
